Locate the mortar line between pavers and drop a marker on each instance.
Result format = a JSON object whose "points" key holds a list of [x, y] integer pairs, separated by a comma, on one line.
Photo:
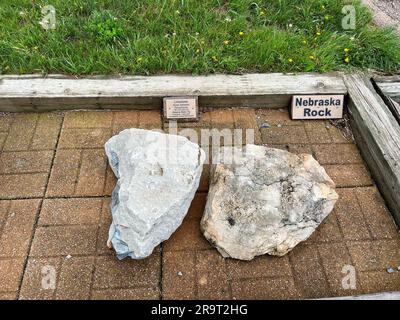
{"points": [[357, 186], [161, 272], [2, 225], [58, 276], [33, 134], [81, 224], [11, 122], [99, 224], [112, 122], [22, 173], [321, 263], [78, 171], [39, 210], [292, 271], [242, 279], [82, 148], [362, 211], [29, 248], [84, 128], [264, 143], [196, 275], [124, 288], [77, 197], [8, 133], [336, 164], [106, 159], [31, 150], [320, 257], [358, 279]]}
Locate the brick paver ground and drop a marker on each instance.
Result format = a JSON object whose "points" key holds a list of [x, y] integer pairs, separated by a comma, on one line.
{"points": [[54, 217]]}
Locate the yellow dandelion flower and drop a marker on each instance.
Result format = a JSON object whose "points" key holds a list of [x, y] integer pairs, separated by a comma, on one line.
{"points": [[226, 42], [241, 33], [290, 60], [347, 60], [305, 41], [312, 57], [318, 33], [347, 50]]}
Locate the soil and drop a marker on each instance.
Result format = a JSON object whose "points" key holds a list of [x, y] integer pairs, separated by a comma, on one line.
{"points": [[390, 7], [386, 12]]}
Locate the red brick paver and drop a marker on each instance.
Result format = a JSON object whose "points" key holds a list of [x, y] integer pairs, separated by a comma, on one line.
{"points": [[54, 217]]}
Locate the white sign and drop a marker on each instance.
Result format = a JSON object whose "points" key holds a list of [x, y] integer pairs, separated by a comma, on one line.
{"points": [[181, 108], [317, 107]]}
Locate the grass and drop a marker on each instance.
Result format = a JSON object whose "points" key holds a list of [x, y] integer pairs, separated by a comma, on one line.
{"points": [[190, 36]]}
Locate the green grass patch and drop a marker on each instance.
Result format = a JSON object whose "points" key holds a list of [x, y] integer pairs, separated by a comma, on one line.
{"points": [[190, 36]]}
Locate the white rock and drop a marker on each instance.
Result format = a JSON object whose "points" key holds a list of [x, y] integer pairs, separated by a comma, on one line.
{"points": [[265, 202], [158, 175]]}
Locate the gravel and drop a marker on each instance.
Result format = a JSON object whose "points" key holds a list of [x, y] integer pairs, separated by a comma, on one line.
{"points": [[390, 7]]}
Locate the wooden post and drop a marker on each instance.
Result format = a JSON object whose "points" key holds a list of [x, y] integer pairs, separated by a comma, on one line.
{"points": [[390, 86], [378, 137]]}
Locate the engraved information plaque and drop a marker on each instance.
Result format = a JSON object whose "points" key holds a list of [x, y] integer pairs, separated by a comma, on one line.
{"points": [[317, 107], [181, 108]]}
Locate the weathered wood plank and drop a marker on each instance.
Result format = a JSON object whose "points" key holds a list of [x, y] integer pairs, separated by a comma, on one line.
{"points": [[378, 137], [393, 106], [32, 92], [373, 296], [391, 89]]}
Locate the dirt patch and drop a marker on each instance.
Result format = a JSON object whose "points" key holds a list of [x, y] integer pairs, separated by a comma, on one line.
{"points": [[390, 7], [386, 12]]}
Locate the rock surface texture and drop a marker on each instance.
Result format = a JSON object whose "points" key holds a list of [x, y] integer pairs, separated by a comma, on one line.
{"points": [[264, 201], [158, 175]]}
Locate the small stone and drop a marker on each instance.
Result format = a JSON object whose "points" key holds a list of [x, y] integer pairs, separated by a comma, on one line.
{"points": [[203, 281], [264, 201], [390, 270], [68, 257], [158, 175], [264, 125], [180, 274], [279, 126]]}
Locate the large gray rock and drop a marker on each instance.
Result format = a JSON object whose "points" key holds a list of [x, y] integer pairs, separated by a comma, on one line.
{"points": [[158, 175], [264, 201]]}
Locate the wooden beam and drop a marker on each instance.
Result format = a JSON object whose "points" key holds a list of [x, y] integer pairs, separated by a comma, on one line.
{"points": [[395, 295], [391, 89], [378, 137], [393, 106], [37, 93]]}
